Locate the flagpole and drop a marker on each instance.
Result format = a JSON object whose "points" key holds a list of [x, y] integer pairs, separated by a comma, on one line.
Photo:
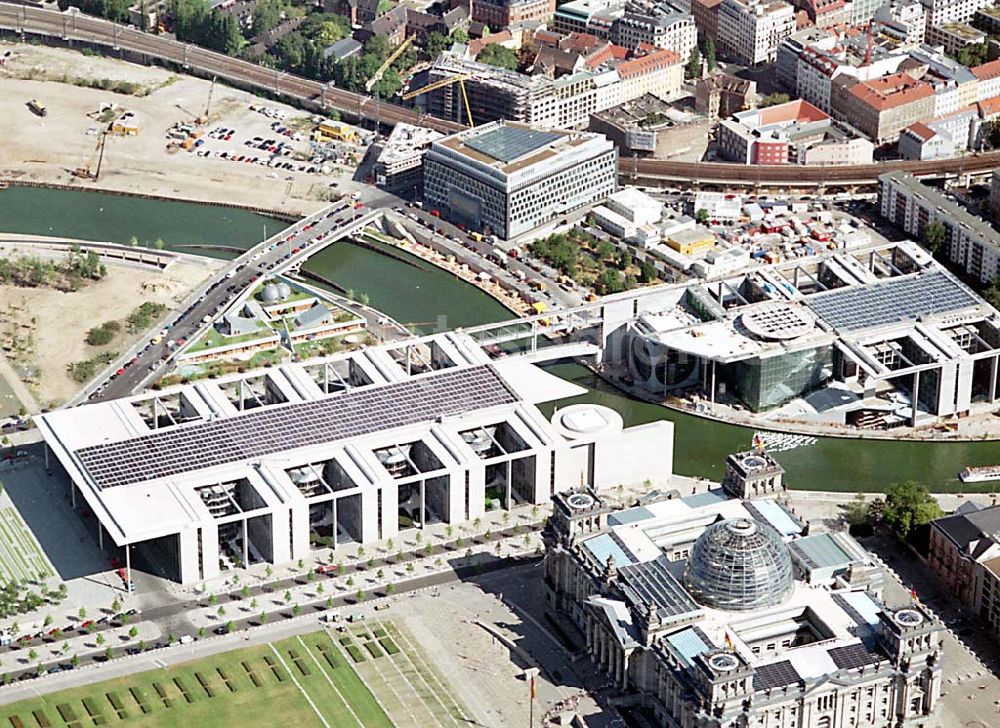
{"points": [[531, 703]]}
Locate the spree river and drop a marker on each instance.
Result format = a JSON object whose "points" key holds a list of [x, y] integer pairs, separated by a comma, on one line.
{"points": [[427, 298]]}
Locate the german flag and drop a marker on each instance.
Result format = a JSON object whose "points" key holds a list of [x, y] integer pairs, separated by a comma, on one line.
{"points": [[729, 643], [534, 688]]}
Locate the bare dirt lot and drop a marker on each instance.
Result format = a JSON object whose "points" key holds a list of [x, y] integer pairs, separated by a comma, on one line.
{"points": [[48, 148], [52, 324]]}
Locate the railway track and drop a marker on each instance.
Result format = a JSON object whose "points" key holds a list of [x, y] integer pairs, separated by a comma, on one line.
{"points": [[79, 27]]}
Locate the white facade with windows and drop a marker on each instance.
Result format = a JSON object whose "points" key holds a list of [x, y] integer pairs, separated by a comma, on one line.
{"points": [[511, 178], [750, 31]]}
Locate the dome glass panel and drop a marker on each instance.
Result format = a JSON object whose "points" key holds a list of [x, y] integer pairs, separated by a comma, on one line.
{"points": [[739, 565]]}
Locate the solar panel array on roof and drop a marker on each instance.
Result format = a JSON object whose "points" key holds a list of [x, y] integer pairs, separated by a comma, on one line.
{"points": [[850, 657], [286, 427], [652, 582], [508, 143], [603, 546], [775, 675], [890, 301]]}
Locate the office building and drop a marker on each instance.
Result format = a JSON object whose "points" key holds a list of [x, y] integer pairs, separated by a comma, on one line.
{"points": [[941, 12], [876, 319], [508, 178], [706, 17], [750, 31], [954, 36], [267, 466], [713, 610], [971, 242]]}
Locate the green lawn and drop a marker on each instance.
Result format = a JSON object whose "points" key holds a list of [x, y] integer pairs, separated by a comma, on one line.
{"points": [[20, 557], [302, 681], [212, 339]]}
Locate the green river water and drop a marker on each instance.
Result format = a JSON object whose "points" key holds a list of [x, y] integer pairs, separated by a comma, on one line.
{"points": [[430, 298]]}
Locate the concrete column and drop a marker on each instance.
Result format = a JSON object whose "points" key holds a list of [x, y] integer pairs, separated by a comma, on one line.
{"points": [[281, 550], [210, 550], [993, 381], [246, 544], [390, 512], [477, 491], [713, 381], [187, 556], [543, 476], [423, 504], [915, 397], [128, 567]]}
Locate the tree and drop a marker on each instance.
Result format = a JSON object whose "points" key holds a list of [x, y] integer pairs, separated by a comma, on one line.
{"points": [[360, 596], [499, 56], [82, 614], [709, 53], [266, 15], [933, 237], [434, 44], [109, 654], [262, 618], [296, 610], [212, 600], [100, 639], [647, 273], [701, 216], [909, 505], [992, 293], [460, 35], [693, 69], [201, 632], [133, 631], [230, 627], [32, 654], [288, 597], [390, 588], [221, 611], [774, 99], [857, 512]]}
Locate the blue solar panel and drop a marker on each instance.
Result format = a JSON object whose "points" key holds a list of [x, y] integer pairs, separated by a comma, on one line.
{"points": [[896, 300], [285, 427]]}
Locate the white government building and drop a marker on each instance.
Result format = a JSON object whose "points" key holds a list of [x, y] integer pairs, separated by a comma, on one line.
{"points": [[269, 465]]}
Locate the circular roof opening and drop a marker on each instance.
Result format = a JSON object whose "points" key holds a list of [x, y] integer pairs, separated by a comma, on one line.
{"points": [[752, 462], [579, 501], [908, 617], [739, 565], [586, 420], [777, 321], [723, 662]]}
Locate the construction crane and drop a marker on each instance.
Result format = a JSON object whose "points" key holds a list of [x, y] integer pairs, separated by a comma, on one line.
{"points": [[84, 172], [377, 76], [460, 78], [203, 119]]}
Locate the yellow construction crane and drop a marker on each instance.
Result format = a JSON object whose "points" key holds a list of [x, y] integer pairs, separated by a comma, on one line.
{"points": [[203, 119], [377, 76], [460, 78], [84, 172]]}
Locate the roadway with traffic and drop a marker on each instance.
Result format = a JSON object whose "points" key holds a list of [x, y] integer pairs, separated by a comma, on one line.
{"points": [[73, 25], [146, 361]]}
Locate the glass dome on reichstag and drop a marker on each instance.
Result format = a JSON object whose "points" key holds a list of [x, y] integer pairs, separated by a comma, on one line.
{"points": [[739, 565]]}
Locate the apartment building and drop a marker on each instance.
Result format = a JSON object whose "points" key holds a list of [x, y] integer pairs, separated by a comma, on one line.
{"points": [[500, 14], [959, 546], [883, 107], [674, 31], [567, 101], [750, 31], [971, 242], [706, 17], [940, 12]]}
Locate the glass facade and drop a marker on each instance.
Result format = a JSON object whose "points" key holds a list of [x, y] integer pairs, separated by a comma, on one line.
{"points": [[765, 383], [661, 366], [739, 565]]}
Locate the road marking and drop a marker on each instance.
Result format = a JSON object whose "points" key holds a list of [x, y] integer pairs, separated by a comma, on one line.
{"points": [[339, 694], [301, 689]]}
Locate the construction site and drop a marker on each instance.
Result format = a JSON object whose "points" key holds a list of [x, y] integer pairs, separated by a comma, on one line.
{"points": [[96, 135]]}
